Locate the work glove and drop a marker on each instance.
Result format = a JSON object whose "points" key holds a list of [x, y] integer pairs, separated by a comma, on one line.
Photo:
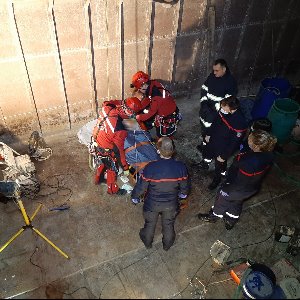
{"points": [[132, 170], [182, 196], [126, 173], [135, 201]]}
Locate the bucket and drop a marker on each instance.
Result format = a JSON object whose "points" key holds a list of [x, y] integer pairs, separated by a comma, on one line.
{"points": [[270, 90], [283, 115]]}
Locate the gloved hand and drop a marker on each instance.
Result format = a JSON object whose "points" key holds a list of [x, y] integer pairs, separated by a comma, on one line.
{"points": [[182, 196], [135, 201], [132, 170], [138, 117], [126, 173]]}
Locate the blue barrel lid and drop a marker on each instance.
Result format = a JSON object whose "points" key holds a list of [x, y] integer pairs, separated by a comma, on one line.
{"points": [[258, 285]]}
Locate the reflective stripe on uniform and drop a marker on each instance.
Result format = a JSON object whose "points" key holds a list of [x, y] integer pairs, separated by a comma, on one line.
{"points": [[204, 98], [219, 216], [107, 120], [217, 105], [204, 87], [213, 97], [207, 160], [206, 124], [231, 215]]}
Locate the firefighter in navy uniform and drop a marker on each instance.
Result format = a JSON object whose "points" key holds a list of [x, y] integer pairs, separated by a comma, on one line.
{"points": [[159, 108], [108, 140], [219, 84], [164, 182], [223, 138], [244, 179]]}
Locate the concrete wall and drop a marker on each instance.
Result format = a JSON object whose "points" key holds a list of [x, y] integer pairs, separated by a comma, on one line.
{"points": [[60, 59]]}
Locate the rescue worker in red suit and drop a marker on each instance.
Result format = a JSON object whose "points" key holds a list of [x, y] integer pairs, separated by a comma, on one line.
{"points": [[244, 179], [159, 108], [223, 138], [109, 135]]}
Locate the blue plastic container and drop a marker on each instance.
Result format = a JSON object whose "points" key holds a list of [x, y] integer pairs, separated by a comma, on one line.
{"points": [[258, 285], [270, 90]]}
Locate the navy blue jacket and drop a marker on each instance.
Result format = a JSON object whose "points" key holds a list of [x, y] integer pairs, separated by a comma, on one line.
{"points": [[247, 171], [162, 180], [226, 134], [213, 90]]}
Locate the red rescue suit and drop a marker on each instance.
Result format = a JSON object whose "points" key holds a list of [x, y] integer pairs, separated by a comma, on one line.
{"points": [[109, 135], [165, 113]]}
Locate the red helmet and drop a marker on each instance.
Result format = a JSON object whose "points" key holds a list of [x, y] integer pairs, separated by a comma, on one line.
{"points": [[138, 79], [133, 104]]}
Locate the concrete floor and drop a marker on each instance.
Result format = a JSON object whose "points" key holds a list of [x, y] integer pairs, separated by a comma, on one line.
{"points": [[100, 232]]}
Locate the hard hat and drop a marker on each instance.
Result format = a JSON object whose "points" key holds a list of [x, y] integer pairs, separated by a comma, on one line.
{"points": [[138, 79], [133, 104]]}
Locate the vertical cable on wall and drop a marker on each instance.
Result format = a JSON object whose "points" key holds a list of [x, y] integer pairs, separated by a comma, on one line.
{"points": [[23, 55], [151, 37], [122, 49], [93, 60], [61, 67], [180, 14]]}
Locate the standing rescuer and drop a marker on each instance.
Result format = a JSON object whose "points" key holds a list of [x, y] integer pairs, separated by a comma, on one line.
{"points": [[219, 84], [164, 182], [223, 138], [159, 108], [244, 179], [108, 140]]}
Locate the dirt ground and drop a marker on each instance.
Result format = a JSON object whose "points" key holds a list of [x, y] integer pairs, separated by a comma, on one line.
{"points": [[99, 232]]}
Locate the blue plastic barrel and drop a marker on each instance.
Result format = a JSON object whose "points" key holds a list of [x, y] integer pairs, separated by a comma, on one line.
{"points": [[270, 90]]}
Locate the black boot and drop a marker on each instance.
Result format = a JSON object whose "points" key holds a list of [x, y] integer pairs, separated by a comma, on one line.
{"points": [[229, 222], [200, 148], [214, 183], [148, 246], [203, 165], [208, 217]]}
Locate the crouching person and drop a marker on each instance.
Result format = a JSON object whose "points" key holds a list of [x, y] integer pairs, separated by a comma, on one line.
{"points": [[164, 181], [244, 179]]}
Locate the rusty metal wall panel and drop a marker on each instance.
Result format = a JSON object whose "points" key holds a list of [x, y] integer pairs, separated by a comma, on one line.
{"points": [[8, 43], [219, 7], [71, 55], [229, 45], [193, 16], [69, 18], [258, 11], [287, 38], [236, 12], [16, 102], [279, 9], [33, 23]]}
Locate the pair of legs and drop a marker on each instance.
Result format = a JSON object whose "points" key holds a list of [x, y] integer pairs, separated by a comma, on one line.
{"points": [[227, 207], [219, 172], [110, 166], [167, 223]]}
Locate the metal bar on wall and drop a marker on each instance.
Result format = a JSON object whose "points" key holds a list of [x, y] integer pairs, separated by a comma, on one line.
{"points": [[177, 37], [122, 48], [151, 38], [27, 72], [92, 57], [211, 37], [259, 45], [61, 66]]}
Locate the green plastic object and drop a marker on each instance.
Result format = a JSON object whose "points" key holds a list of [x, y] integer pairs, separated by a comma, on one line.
{"points": [[283, 115]]}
